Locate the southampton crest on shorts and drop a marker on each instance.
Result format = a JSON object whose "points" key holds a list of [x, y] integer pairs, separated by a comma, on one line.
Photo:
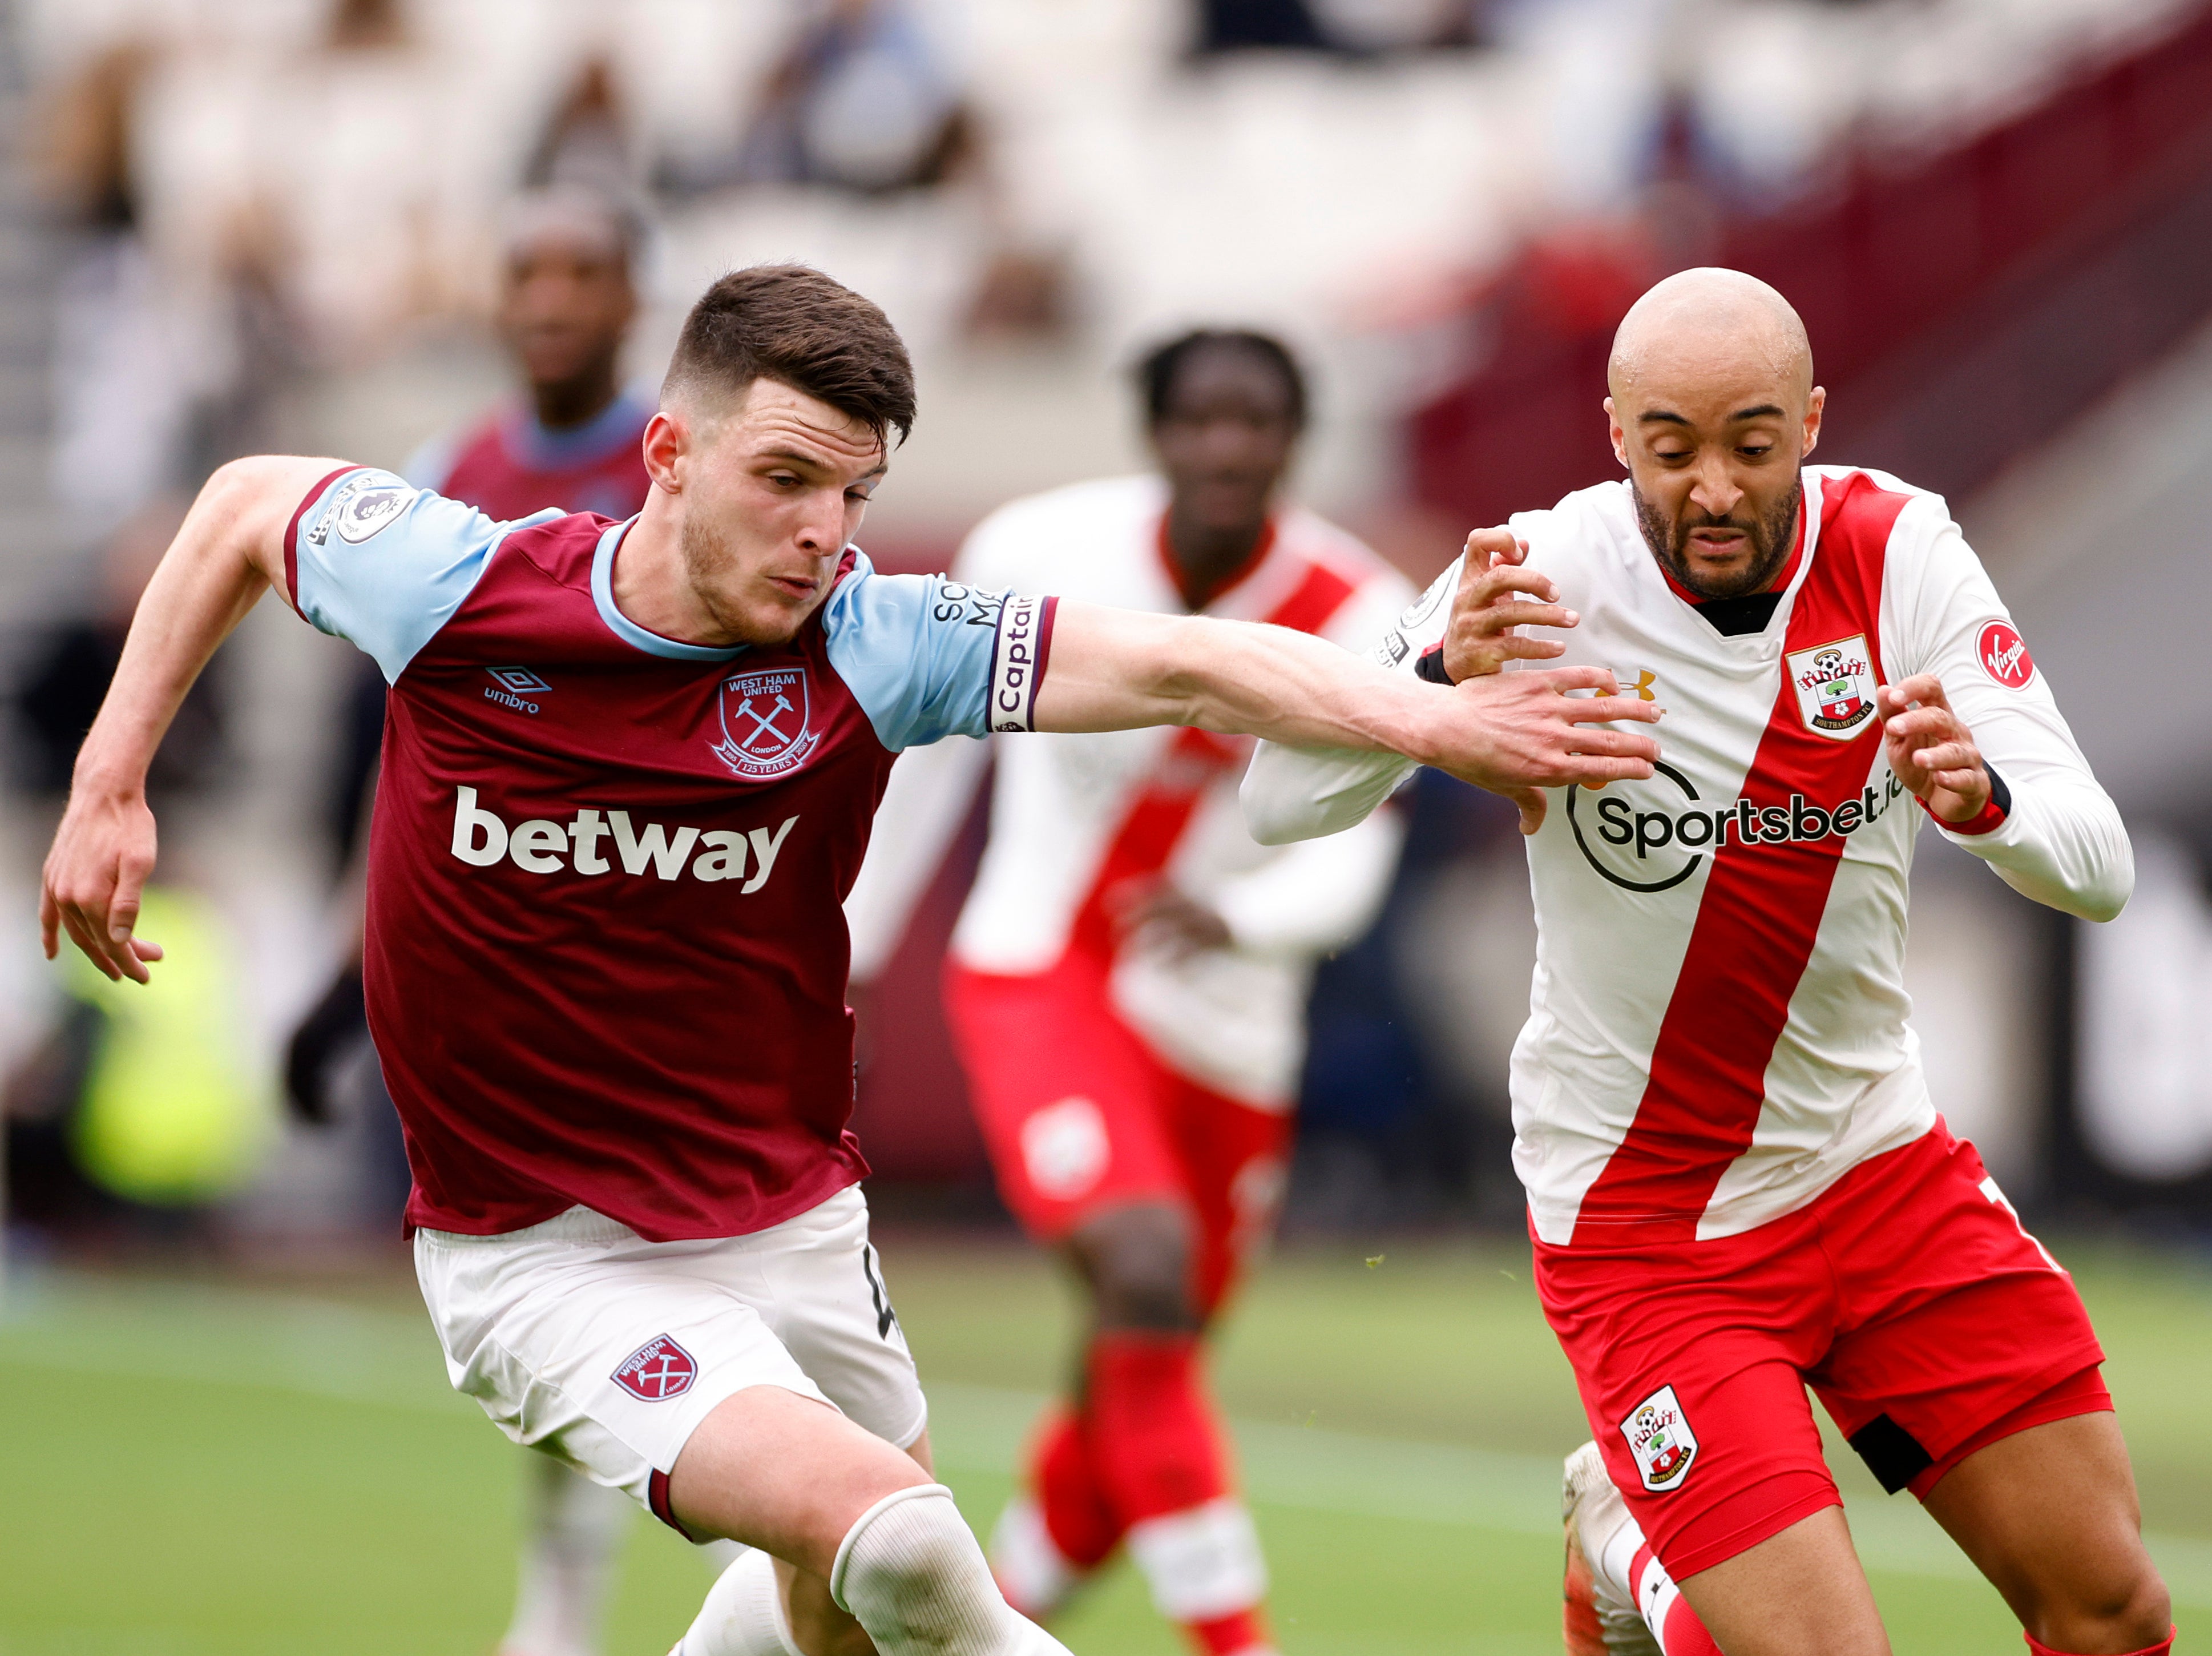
{"points": [[765, 730], [1835, 686], [657, 1370], [1660, 1439]]}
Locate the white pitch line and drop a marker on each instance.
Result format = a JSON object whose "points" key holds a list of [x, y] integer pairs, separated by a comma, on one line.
{"points": [[349, 1354]]}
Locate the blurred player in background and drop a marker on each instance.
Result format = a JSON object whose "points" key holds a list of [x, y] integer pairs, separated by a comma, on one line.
{"points": [[573, 442], [1737, 1181], [630, 772], [1127, 981]]}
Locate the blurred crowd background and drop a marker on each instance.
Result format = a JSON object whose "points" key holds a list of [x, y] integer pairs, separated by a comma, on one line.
{"points": [[276, 225]]}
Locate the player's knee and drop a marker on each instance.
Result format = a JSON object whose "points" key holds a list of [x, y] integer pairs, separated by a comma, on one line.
{"points": [[1138, 1263], [2130, 1609]]}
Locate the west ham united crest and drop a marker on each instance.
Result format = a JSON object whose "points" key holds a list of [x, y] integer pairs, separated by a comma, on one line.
{"points": [[657, 1370], [1659, 1437], [1835, 686], [765, 729]]}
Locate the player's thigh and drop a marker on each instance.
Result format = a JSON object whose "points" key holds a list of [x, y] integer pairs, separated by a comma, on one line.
{"points": [[1690, 1359], [579, 1339], [2049, 1514], [1068, 1099], [1951, 1318], [829, 1300], [1799, 1592], [1235, 1159], [786, 1473]]}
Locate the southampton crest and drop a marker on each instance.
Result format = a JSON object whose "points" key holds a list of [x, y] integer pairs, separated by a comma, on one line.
{"points": [[1658, 1434], [765, 728], [1835, 686]]}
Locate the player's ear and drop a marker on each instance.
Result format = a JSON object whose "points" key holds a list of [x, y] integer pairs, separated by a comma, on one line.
{"points": [[1619, 436], [667, 443], [1814, 406]]}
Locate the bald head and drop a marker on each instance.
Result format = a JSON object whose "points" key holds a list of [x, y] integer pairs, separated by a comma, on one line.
{"points": [[1713, 409], [1698, 323]]}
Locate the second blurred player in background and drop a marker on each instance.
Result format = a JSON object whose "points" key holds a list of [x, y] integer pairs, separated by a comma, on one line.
{"points": [[572, 441], [1127, 985]]}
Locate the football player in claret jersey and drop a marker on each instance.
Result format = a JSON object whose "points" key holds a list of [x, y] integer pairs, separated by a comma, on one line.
{"points": [[628, 774], [1738, 1183], [1128, 982]]}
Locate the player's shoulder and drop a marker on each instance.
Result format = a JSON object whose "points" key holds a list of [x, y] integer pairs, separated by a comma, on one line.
{"points": [[1589, 530], [1904, 523], [866, 602], [1025, 538]]}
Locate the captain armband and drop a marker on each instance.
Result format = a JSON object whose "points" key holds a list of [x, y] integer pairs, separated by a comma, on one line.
{"points": [[1020, 653]]}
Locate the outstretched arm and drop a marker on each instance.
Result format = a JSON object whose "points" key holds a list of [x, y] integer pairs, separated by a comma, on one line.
{"points": [[230, 548], [1509, 733]]}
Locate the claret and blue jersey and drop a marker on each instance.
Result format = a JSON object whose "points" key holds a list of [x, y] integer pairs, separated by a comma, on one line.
{"points": [[606, 957]]}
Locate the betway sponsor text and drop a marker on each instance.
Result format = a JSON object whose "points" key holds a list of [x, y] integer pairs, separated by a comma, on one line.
{"points": [[541, 845]]}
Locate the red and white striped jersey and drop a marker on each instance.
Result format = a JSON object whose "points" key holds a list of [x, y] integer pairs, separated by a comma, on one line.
{"points": [[1078, 821], [1717, 1026]]}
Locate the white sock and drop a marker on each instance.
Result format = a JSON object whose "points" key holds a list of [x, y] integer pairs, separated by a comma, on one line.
{"points": [[1650, 1589], [743, 1614], [1037, 1579], [572, 1529], [1203, 1563], [910, 1573]]}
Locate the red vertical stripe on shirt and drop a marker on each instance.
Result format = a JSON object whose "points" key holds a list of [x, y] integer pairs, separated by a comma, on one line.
{"points": [[1195, 760], [1758, 920]]}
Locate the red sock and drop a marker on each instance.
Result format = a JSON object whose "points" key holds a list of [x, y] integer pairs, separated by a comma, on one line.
{"points": [[1152, 1438], [1231, 1636], [1681, 1633], [1157, 1456], [1685, 1634], [1076, 1515], [2042, 1649]]}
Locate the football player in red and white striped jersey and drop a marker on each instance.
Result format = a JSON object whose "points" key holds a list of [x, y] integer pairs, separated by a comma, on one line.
{"points": [[1738, 1183]]}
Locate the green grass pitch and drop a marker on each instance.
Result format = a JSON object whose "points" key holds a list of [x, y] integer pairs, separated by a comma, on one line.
{"points": [[199, 1469]]}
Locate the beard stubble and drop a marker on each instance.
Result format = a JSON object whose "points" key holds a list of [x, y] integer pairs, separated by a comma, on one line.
{"points": [[1770, 538]]}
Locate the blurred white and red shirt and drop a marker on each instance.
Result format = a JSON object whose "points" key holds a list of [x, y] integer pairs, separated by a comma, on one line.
{"points": [[1717, 1025], [1078, 824]]}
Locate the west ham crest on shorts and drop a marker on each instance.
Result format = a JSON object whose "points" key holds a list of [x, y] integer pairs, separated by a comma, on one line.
{"points": [[1835, 686], [657, 1370], [765, 731], [1660, 1438]]}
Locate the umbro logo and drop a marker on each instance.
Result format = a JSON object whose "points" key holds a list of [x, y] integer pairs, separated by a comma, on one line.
{"points": [[516, 686]]}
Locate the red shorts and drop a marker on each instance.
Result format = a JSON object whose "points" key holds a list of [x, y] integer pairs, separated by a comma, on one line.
{"points": [[1080, 1116], [1907, 1296]]}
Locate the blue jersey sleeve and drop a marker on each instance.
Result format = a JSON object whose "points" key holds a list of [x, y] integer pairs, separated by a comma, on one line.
{"points": [[929, 658], [375, 560]]}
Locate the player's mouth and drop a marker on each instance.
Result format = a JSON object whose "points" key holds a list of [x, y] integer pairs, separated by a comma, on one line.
{"points": [[795, 585], [1719, 543]]}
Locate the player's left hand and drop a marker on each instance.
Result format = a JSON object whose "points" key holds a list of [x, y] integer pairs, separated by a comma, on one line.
{"points": [[1931, 748], [1481, 636]]}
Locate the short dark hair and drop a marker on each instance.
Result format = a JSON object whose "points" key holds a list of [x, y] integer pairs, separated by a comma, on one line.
{"points": [[793, 324], [1156, 373]]}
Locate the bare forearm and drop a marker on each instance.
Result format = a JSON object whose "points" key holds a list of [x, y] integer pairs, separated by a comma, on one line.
{"points": [[1124, 670]]}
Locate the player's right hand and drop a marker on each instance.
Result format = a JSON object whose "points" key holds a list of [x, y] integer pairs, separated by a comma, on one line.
{"points": [[1519, 733], [1480, 637], [102, 854]]}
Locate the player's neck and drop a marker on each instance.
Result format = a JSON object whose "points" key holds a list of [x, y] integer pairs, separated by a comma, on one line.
{"points": [[1205, 560], [651, 586], [567, 404]]}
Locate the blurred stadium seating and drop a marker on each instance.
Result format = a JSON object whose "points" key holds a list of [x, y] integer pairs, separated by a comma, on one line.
{"points": [[271, 223]]}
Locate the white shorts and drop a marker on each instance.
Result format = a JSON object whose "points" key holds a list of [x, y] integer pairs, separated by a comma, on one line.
{"points": [[582, 1339]]}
